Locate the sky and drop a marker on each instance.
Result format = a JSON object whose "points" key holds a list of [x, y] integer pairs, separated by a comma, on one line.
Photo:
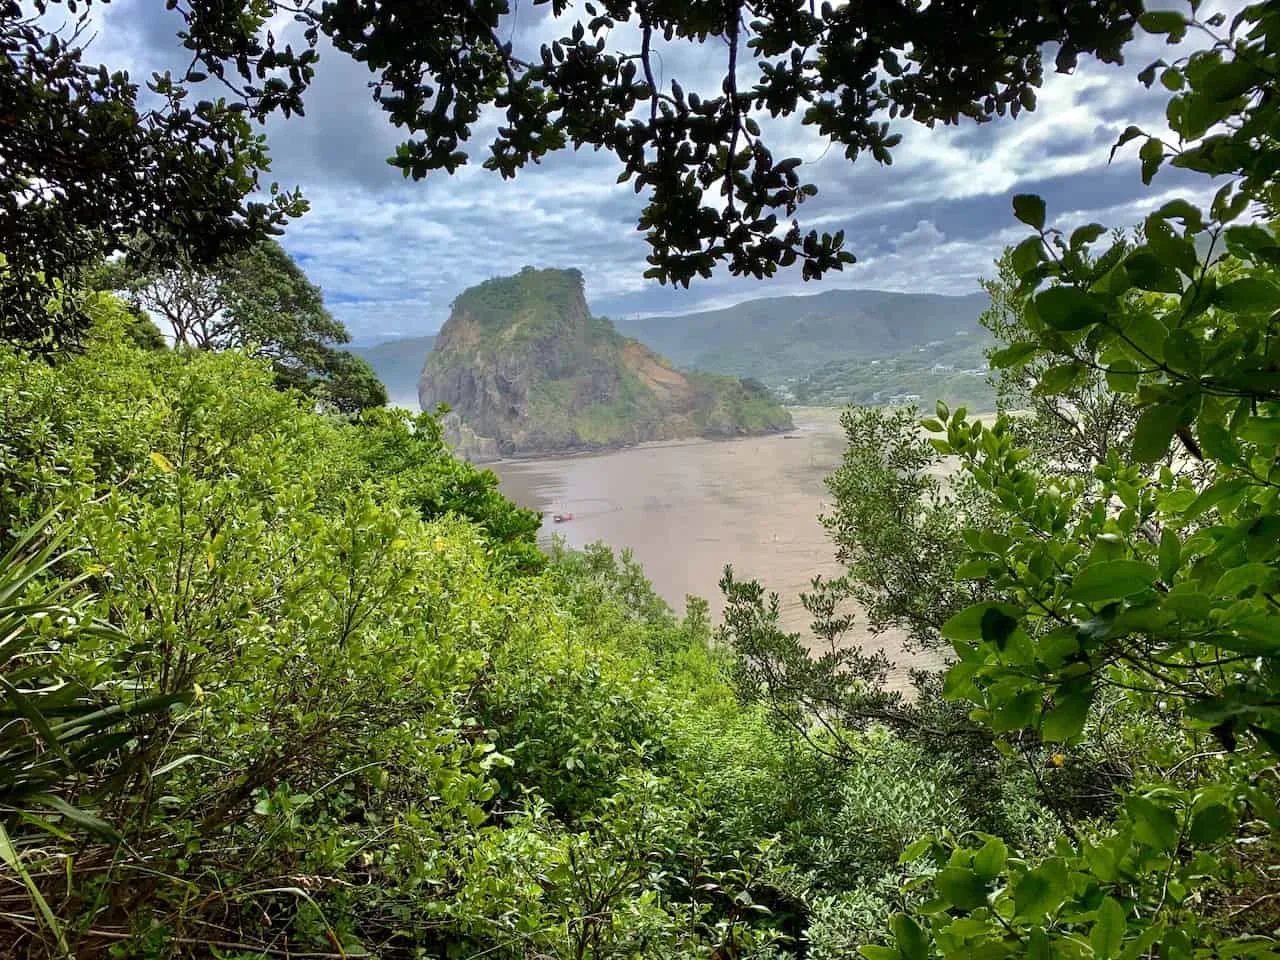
{"points": [[391, 254]]}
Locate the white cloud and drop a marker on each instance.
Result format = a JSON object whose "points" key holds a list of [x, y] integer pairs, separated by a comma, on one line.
{"points": [[391, 254], [923, 234]]}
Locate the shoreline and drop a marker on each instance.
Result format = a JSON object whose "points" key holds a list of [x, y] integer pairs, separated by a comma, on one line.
{"points": [[814, 410], [576, 453]]}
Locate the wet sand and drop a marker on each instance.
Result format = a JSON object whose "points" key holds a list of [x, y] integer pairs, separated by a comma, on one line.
{"points": [[688, 508]]}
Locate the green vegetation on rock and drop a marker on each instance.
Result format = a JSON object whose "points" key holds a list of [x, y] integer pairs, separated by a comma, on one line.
{"points": [[538, 297], [522, 361]]}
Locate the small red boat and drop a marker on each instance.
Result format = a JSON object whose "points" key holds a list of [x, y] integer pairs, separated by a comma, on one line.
{"points": [[561, 517]]}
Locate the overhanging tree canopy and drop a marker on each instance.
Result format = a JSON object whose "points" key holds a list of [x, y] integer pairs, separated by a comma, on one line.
{"points": [[86, 166]]}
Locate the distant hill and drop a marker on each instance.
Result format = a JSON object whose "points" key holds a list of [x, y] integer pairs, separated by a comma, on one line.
{"points": [[789, 336], [398, 363], [521, 360], [954, 371]]}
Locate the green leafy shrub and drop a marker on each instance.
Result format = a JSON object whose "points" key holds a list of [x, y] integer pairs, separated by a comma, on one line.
{"points": [[1140, 570], [389, 724]]}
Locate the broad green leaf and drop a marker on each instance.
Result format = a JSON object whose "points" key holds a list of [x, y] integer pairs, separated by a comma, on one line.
{"points": [[1082, 236], [1067, 718], [1130, 133], [1163, 21], [992, 541], [1038, 947], [1112, 580], [1014, 355], [1176, 501], [958, 681], [1029, 208], [1103, 859], [1153, 433], [916, 850], [967, 928], [1149, 272], [1253, 631], [1153, 824], [1170, 554], [1248, 240], [1139, 946], [968, 623], [975, 569], [963, 888], [1067, 308], [990, 859], [1122, 376], [1016, 711], [1108, 930], [1215, 496], [1228, 80], [1027, 254], [1211, 824], [1170, 246], [1151, 154], [1176, 945], [1060, 378], [1185, 211], [1144, 336], [1253, 381], [1239, 579], [1218, 442], [1269, 737], [1041, 891], [912, 942], [1261, 430], [1188, 604], [1249, 295], [1056, 646], [1182, 352], [1217, 709]]}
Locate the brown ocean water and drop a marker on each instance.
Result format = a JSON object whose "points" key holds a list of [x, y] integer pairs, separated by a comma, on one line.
{"points": [[687, 508]]}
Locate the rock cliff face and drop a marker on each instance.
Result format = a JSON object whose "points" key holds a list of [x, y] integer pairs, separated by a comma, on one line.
{"points": [[522, 361], [466, 443]]}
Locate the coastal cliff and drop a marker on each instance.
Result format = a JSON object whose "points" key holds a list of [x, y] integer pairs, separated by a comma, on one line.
{"points": [[522, 361]]}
